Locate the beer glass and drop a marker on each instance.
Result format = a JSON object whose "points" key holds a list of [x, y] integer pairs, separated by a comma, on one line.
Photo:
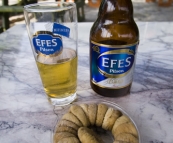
{"points": [[52, 30]]}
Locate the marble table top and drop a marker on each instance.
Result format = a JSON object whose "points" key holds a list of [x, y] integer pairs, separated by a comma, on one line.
{"points": [[27, 117]]}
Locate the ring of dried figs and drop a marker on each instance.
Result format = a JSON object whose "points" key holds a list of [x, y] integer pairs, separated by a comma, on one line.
{"points": [[95, 122]]}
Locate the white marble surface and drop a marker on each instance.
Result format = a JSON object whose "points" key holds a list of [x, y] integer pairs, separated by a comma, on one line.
{"points": [[27, 117]]}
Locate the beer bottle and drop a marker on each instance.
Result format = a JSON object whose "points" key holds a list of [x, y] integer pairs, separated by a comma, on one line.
{"points": [[114, 39]]}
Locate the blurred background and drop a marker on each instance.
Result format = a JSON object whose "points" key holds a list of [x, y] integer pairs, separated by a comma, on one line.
{"points": [[11, 11]]}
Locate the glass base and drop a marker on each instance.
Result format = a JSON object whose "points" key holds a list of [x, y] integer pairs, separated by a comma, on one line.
{"points": [[63, 101]]}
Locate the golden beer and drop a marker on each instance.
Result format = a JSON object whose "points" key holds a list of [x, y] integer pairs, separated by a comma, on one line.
{"points": [[60, 79], [54, 40]]}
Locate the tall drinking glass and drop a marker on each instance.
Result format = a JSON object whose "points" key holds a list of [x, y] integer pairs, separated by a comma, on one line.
{"points": [[52, 30]]}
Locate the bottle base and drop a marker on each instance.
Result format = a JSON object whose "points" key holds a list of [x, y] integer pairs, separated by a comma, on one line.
{"points": [[111, 92], [63, 101]]}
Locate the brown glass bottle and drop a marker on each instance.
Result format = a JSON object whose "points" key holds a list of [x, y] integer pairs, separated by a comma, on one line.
{"points": [[114, 31]]}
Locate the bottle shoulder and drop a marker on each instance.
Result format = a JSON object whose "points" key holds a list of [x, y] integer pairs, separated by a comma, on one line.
{"points": [[112, 30]]}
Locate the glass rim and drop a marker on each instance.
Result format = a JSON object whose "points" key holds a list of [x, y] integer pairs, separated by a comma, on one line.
{"points": [[34, 8]]}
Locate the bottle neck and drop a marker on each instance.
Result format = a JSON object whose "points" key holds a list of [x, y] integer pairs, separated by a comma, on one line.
{"points": [[117, 8]]}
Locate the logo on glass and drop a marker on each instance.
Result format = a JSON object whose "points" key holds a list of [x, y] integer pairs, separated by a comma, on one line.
{"points": [[47, 43], [61, 30]]}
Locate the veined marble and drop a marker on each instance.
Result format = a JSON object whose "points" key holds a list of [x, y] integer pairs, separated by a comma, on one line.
{"points": [[27, 117]]}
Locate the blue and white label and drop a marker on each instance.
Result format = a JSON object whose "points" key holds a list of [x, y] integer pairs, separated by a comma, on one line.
{"points": [[112, 67], [61, 30], [47, 43]]}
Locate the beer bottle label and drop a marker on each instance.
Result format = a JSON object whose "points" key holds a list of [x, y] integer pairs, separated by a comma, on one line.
{"points": [[112, 66]]}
